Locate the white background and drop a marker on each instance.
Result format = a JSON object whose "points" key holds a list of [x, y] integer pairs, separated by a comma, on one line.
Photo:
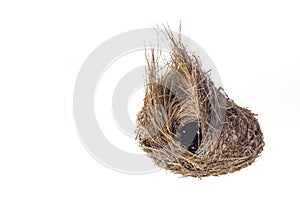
{"points": [[255, 46]]}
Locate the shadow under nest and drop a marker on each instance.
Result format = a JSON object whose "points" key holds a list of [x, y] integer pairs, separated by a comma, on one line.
{"points": [[189, 126]]}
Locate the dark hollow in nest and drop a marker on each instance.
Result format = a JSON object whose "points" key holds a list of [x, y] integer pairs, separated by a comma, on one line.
{"points": [[189, 126]]}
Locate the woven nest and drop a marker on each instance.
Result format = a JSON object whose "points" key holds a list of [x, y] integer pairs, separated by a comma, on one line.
{"points": [[189, 126]]}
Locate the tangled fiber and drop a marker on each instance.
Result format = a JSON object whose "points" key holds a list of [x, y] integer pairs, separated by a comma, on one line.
{"points": [[189, 126]]}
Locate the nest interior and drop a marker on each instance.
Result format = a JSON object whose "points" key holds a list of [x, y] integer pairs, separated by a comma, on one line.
{"points": [[189, 126]]}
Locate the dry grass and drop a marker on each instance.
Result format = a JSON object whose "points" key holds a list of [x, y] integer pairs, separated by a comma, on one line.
{"points": [[189, 126]]}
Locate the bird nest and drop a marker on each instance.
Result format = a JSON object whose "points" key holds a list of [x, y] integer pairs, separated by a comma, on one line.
{"points": [[189, 126]]}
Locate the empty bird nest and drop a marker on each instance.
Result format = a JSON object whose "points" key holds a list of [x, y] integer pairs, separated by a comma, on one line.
{"points": [[189, 126]]}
